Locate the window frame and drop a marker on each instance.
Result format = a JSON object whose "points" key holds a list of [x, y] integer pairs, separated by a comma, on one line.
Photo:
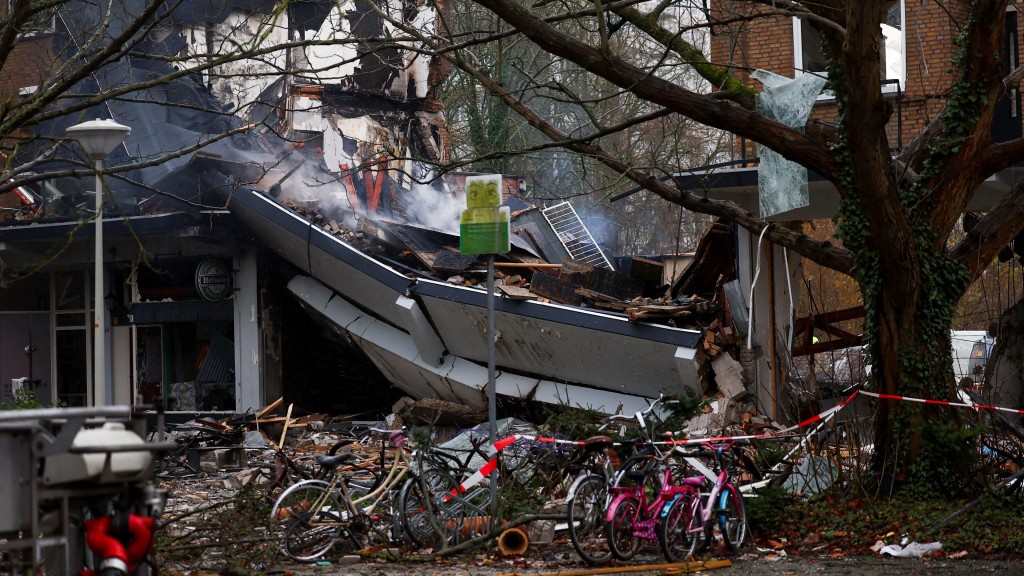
{"points": [[798, 54], [33, 32]]}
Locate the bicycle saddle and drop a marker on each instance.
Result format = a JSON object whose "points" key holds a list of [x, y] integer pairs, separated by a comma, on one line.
{"points": [[331, 462]]}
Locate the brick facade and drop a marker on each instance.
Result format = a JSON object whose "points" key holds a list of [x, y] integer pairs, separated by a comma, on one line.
{"points": [[30, 61], [930, 31]]}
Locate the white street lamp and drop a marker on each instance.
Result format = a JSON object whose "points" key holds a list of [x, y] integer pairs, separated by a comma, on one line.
{"points": [[99, 138]]}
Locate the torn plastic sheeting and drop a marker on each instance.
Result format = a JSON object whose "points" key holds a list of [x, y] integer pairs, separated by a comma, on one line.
{"points": [[912, 550], [782, 184], [464, 442], [254, 439], [813, 475]]}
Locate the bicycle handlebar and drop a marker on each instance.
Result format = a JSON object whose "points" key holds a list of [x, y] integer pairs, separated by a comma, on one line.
{"points": [[638, 416], [395, 437], [615, 417]]}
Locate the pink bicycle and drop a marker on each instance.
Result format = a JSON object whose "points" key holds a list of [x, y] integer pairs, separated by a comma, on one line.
{"points": [[639, 490], [690, 521]]}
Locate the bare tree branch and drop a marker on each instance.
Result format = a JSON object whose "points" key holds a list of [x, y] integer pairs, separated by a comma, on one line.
{"points": [[793, 144], [822, 252]]}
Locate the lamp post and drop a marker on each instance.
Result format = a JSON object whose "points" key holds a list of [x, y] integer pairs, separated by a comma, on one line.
{"points": [[98, 138]]}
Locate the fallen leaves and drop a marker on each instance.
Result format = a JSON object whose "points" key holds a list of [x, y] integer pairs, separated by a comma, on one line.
{"points": [[959, 554]]}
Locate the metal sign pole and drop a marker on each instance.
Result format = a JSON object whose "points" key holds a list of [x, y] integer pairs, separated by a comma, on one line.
{"points": [[492, 403], [484, 229]]}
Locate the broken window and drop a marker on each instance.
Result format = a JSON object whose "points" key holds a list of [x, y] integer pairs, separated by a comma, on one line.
{"points": [[809, 56], [808, 52], [782, 184]]}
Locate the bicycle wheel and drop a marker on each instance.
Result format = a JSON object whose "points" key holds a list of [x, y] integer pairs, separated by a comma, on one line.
{"points": [[622, 515], [585, 514], [313, 532], [730, 518], [673, 527], [701, 539], [297, 498], [436, 518]]}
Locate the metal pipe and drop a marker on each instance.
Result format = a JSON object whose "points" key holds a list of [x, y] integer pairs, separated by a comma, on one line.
{"points": [[65, 413], [492, 402], [773, 363], [99, 387]]}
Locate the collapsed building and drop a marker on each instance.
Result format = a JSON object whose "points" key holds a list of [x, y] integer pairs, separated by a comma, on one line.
{"points": [[314, 188]]}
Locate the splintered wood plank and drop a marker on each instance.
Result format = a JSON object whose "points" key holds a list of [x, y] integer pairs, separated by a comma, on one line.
{"points": [[287, 417], [516, 293], [526, 265], [269, 408]]}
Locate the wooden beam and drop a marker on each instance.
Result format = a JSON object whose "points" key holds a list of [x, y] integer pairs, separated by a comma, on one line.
{"points": [[269, 408], [674, 568], [284, 430], [803, 331], [525, 265]]}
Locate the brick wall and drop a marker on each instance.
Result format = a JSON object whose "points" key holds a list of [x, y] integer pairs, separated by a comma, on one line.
{"points": [[766, 42], [29, 62], [930, 30]]}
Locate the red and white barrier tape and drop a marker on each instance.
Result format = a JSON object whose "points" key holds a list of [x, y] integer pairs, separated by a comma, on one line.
{"points": [[503, 443], [500, 445], [943, 403]]}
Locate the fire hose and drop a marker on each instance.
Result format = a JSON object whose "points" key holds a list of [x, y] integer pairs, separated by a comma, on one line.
{"points": [[120, 551]]}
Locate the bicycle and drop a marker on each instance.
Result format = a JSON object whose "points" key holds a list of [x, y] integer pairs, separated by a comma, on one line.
{"points": [[639, 490], [691, 520], [286, 472], [325, 514], [300, 493], [587, 500]]}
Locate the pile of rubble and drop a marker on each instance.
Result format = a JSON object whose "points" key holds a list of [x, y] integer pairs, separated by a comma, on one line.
{"points": [[641, 295], [520, 274]]}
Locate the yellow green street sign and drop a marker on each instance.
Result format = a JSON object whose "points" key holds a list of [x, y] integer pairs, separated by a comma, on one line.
{"points": [[484, 226]]}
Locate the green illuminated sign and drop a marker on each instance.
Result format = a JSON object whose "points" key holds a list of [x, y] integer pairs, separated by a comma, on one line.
{"points": [[484, 226]]}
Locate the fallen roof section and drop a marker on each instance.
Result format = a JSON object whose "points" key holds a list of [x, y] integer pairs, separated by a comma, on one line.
{"points": [[428, 336]]}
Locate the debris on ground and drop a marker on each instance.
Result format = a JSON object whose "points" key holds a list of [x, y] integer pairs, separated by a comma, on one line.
{"points": [[912, 550]]}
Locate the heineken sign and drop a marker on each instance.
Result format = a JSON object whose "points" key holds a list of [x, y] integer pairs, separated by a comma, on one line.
{"points": [[213, 280]]}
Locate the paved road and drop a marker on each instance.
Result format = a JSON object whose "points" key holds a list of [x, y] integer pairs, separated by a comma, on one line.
{"points": [[745, 566]]}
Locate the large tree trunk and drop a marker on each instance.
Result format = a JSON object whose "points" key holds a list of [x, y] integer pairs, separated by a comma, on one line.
{"points": [[910, 353]]}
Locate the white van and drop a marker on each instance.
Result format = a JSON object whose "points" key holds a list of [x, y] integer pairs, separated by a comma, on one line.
{"points": [[971, 350], [970, 354]]}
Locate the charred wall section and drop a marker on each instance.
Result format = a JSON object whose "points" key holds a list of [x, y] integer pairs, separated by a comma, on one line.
{"points": [[315, 371]]}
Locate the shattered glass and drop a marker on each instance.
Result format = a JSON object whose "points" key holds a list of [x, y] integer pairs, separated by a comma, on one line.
{"points": [[782, 184]]}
